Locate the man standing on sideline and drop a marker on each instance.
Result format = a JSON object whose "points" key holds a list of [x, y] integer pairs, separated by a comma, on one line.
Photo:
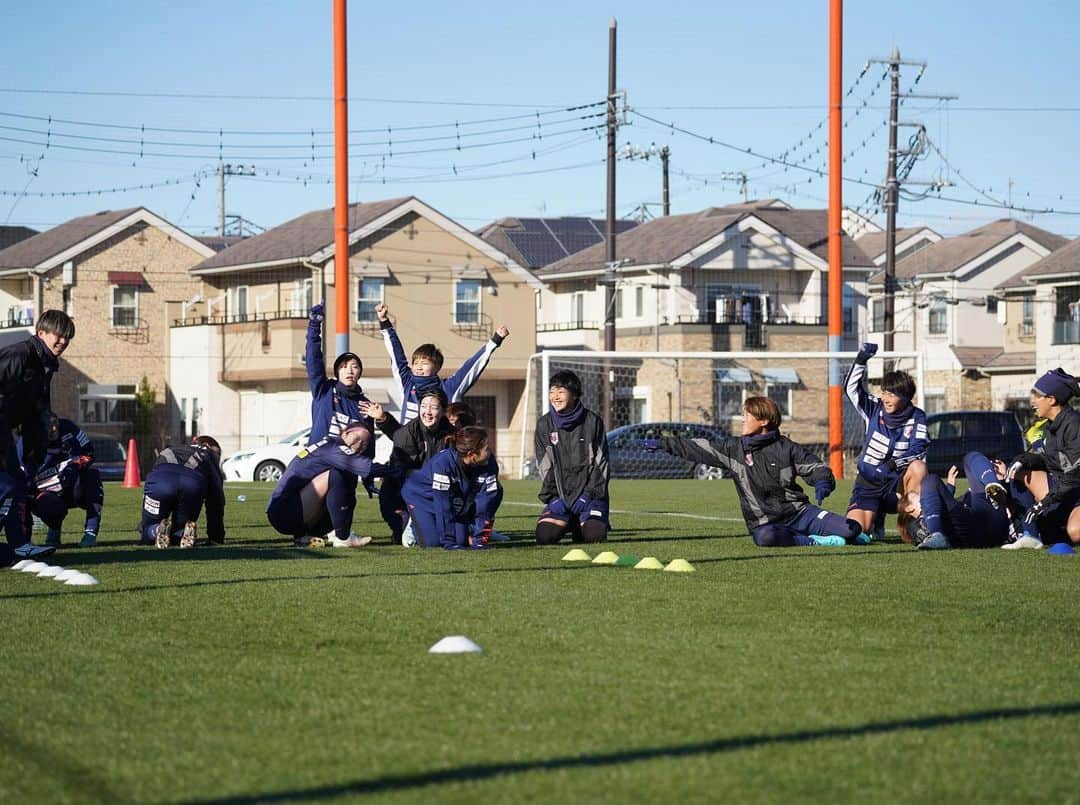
{"points": [[26, 370]]}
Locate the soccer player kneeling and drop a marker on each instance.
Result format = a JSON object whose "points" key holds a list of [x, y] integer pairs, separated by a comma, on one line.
{"points": [[178, 484], [763, 463]]}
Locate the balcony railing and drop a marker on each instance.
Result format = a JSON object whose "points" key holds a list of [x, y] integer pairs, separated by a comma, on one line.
{"points": [[565, 326], [18, 318], [239, 318], [1066, 331]]}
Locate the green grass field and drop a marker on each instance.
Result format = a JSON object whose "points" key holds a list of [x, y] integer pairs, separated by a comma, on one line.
{"points": [[258, 672]]}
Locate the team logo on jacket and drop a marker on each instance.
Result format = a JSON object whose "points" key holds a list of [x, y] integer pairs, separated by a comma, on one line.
{"points": [[907, 431], [749, 459], [555, 437]]}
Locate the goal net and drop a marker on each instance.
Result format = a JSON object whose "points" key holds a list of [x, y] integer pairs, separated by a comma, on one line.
{"points": [[700, 394]]}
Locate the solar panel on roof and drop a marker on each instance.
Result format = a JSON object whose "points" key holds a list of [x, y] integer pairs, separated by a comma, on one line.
{"points": [[538, 249], [568, 227]]}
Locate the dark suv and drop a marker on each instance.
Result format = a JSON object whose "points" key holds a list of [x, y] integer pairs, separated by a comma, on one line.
{"points": [[628, 459], [953, 434]]}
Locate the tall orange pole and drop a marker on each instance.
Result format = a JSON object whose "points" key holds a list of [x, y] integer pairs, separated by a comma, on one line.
{"points": [[341, 181], [836, 256]]}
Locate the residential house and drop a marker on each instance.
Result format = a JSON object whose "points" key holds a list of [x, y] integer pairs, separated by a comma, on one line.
{"points": [[442, 283], [10, 235], [115, 273], [538, 242], [1039, 317], [946, 309], [744, 277], [908, 241]]}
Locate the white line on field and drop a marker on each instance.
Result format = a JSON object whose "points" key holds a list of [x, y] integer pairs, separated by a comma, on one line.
{"points": [[631, 511]]}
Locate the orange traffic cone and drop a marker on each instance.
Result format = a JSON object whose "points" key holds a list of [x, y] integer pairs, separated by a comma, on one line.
{"points": [[132, 479]]}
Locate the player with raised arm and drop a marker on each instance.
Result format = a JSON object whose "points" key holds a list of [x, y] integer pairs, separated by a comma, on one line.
{"points": [[422, 371], [891, 463]]}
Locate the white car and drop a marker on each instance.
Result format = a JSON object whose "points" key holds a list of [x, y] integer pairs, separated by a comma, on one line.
{"points": [[268, 463]]}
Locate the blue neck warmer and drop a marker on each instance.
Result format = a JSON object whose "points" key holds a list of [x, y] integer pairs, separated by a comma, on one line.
{"points": [[757, 441], [571, 418]]}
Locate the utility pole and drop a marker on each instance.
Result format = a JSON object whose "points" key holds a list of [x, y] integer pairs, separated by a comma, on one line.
{"points": [[225, 169], [665, 157], [892, 193], [609, 275]]}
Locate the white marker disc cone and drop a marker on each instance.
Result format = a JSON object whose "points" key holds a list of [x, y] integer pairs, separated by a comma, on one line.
{"points": [[454, 644], [49, 571], [81, 580], [67, 574], [33, 567], [21, 564]]}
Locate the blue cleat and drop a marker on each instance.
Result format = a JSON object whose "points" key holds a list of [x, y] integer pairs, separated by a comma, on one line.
{"points": [[862, 539], [935, 542], [828, 541]]}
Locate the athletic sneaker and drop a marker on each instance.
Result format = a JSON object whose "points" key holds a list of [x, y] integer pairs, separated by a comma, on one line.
{"points": [[997, 494], [53, 537], [187, 539], [29, 550], [309, 542], [354, 541], [162, 533], [918, 532], [828, 540], [878, 533], [862, 539], [935, 542], [408, 536], [89, 539], [1026, 541]]}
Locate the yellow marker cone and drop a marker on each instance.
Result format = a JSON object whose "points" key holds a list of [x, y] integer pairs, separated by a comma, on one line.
{"points": [[606, 558], [577, 555], [680, 566], [649, 563]]}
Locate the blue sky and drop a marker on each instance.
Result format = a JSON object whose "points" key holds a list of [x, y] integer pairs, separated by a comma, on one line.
{"points": [[750, 75]]}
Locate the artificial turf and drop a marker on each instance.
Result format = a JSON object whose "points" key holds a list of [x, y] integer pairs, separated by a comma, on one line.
{"points": [[258, 672]]}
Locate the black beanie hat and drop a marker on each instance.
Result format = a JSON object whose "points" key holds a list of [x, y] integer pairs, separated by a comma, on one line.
{"points": [[1059, 384], [345, 356]]}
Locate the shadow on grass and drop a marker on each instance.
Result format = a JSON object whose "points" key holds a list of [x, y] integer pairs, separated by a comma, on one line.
{"points": [[813, 553], [203, 553], [486, 771]]}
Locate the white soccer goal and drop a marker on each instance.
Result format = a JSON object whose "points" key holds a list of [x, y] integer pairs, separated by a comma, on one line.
{"points": [[643, 394]]}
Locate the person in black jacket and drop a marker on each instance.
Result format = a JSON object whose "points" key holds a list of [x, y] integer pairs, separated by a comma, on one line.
{"points": [[26, 370], [178, 484], [414, 443], [1052, 475], [572, 459], [764, 464]]}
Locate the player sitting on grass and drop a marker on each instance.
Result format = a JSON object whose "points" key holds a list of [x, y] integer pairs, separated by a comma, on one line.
{"points": [[1052, 474], [891, 464], [935, 519], [414, 444], [178, 484], [461, 415], [572, 459], [66, 480], [764, 464], [451, 498], [309, 498], [422, 371]]}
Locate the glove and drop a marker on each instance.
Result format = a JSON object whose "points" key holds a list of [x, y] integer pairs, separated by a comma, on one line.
{"points": [[317, 313], [68, 475], [890, 464], [1020, 463], [822, 489], [1040, 508], [581, 505], [557, 508], [652, 445], [866, 352]]}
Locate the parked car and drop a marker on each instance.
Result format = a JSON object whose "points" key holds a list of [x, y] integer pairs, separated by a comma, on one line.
{"points": [[110, 456], [953, 434], [268, 463], [627, 459]]}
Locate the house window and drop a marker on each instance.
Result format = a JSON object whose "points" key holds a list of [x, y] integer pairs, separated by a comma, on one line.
{"points": [[236, 302], [991, 304], [369, 294], [106, 404], [938, 315], [577, 310], [125, 306], [849, 321], [934, 402], [877, 316], [1027, 316], [300, 298], [467, 301], [639, 301], [780, 393], [729, 400], [69, 304], [619, 303]]}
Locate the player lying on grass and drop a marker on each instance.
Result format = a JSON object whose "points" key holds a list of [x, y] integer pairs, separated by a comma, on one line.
{"points": [[572, 459], [67, 480], [764, 465], [310, 498], [453, 497], [415, 443], [422, 370], [1052, 474], [178, 484], [983, 517], [891, 463]]}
